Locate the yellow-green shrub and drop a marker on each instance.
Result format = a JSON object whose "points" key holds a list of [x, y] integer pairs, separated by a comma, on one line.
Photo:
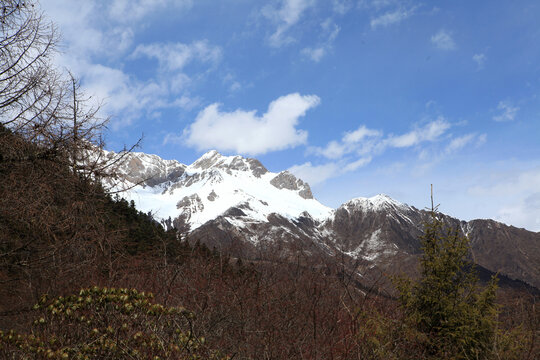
{"points": [[107, 323]]}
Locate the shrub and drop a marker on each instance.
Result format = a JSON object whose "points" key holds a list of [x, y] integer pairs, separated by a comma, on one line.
{"points": [[107, 323]]}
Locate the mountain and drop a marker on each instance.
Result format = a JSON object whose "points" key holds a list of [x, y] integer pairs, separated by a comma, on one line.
{"points": [[236, 205], [215, 185]]}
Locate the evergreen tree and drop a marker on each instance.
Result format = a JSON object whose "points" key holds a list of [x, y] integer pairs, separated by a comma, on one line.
{"points": [[446, 303]]}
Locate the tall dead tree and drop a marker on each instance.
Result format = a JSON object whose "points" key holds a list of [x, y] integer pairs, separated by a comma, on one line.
{"points": [[44, 106], [28, 82]]}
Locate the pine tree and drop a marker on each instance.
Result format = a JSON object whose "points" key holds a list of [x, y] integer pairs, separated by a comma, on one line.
{"points": [[446, 303]]}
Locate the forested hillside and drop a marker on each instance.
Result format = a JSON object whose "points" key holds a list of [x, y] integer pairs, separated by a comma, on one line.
{"points": [[78, 264]]}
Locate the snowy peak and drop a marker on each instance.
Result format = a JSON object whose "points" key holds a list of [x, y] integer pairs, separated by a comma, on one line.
{"points": [[239, 189], [380, 202], [214, 160], [147, 169]]}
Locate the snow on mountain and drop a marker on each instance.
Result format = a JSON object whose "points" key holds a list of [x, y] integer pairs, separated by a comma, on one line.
{"points": [[376, 203], [214, 184]]}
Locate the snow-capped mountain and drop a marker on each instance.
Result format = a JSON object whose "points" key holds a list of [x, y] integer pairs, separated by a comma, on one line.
{"points": [[214, 184], [236, 205]]}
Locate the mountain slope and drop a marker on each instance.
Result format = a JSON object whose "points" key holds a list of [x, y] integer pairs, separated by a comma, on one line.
{"points": [[236, 205]]}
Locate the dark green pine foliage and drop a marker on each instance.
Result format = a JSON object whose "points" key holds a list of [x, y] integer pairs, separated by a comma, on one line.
{"points": [[446, 304]]}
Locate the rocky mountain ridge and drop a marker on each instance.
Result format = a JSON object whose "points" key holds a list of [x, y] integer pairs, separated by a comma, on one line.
{"points": [[236, 205]]}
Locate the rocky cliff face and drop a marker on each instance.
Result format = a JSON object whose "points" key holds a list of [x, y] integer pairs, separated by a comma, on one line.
{"points": [[286, 180], [148, 170], [235, 204]]}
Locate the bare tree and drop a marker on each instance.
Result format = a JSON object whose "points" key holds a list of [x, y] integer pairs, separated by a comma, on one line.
{"points": [[78, 129], [45, 106], [28, 82]]}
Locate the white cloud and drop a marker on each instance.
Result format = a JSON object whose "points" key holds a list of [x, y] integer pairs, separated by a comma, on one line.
{"points": [[518, 196], [443, 40], [175, 56], [135, 10], [391, 17], [285, 16], [524, 213], [95, 33], [342, 6], [481, 139], [509, 111], [187, 102], [172, 138], [125, 98], [368, 142], [359, 134], [357, 148], [376, 4], [315, 54], [93, 27], [460, 142], [235, 86], [358, 141], [352, 166], [316, 174], [480, 60], [511, 183], [79, 34], [429, 132], [333, 150], [244, 132]]}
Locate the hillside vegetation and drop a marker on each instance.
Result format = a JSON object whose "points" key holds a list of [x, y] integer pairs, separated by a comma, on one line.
{"points": [[78, 263], [60, 232]]}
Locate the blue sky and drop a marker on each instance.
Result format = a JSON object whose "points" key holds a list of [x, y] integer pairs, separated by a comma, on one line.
{"points": [[356, 97]]}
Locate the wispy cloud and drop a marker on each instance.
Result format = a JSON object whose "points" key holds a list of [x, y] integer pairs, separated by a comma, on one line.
{"points": [[126, 99], [360, 141], [285, 15], [430, 132], [316, 174], [508, 111], [315, 54], [175, 56], [377, 4], [520, 188], [245, 132], [480, 60], [391, 17], [364, 141], [342, 6], [330, 31], [443, 40], [136, 10], [97, 38], [460, 142], [357, 148]]}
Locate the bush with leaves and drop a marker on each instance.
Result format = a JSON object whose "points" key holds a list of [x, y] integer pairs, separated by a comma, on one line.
{"points": [[446, 303], [107, 323]]}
